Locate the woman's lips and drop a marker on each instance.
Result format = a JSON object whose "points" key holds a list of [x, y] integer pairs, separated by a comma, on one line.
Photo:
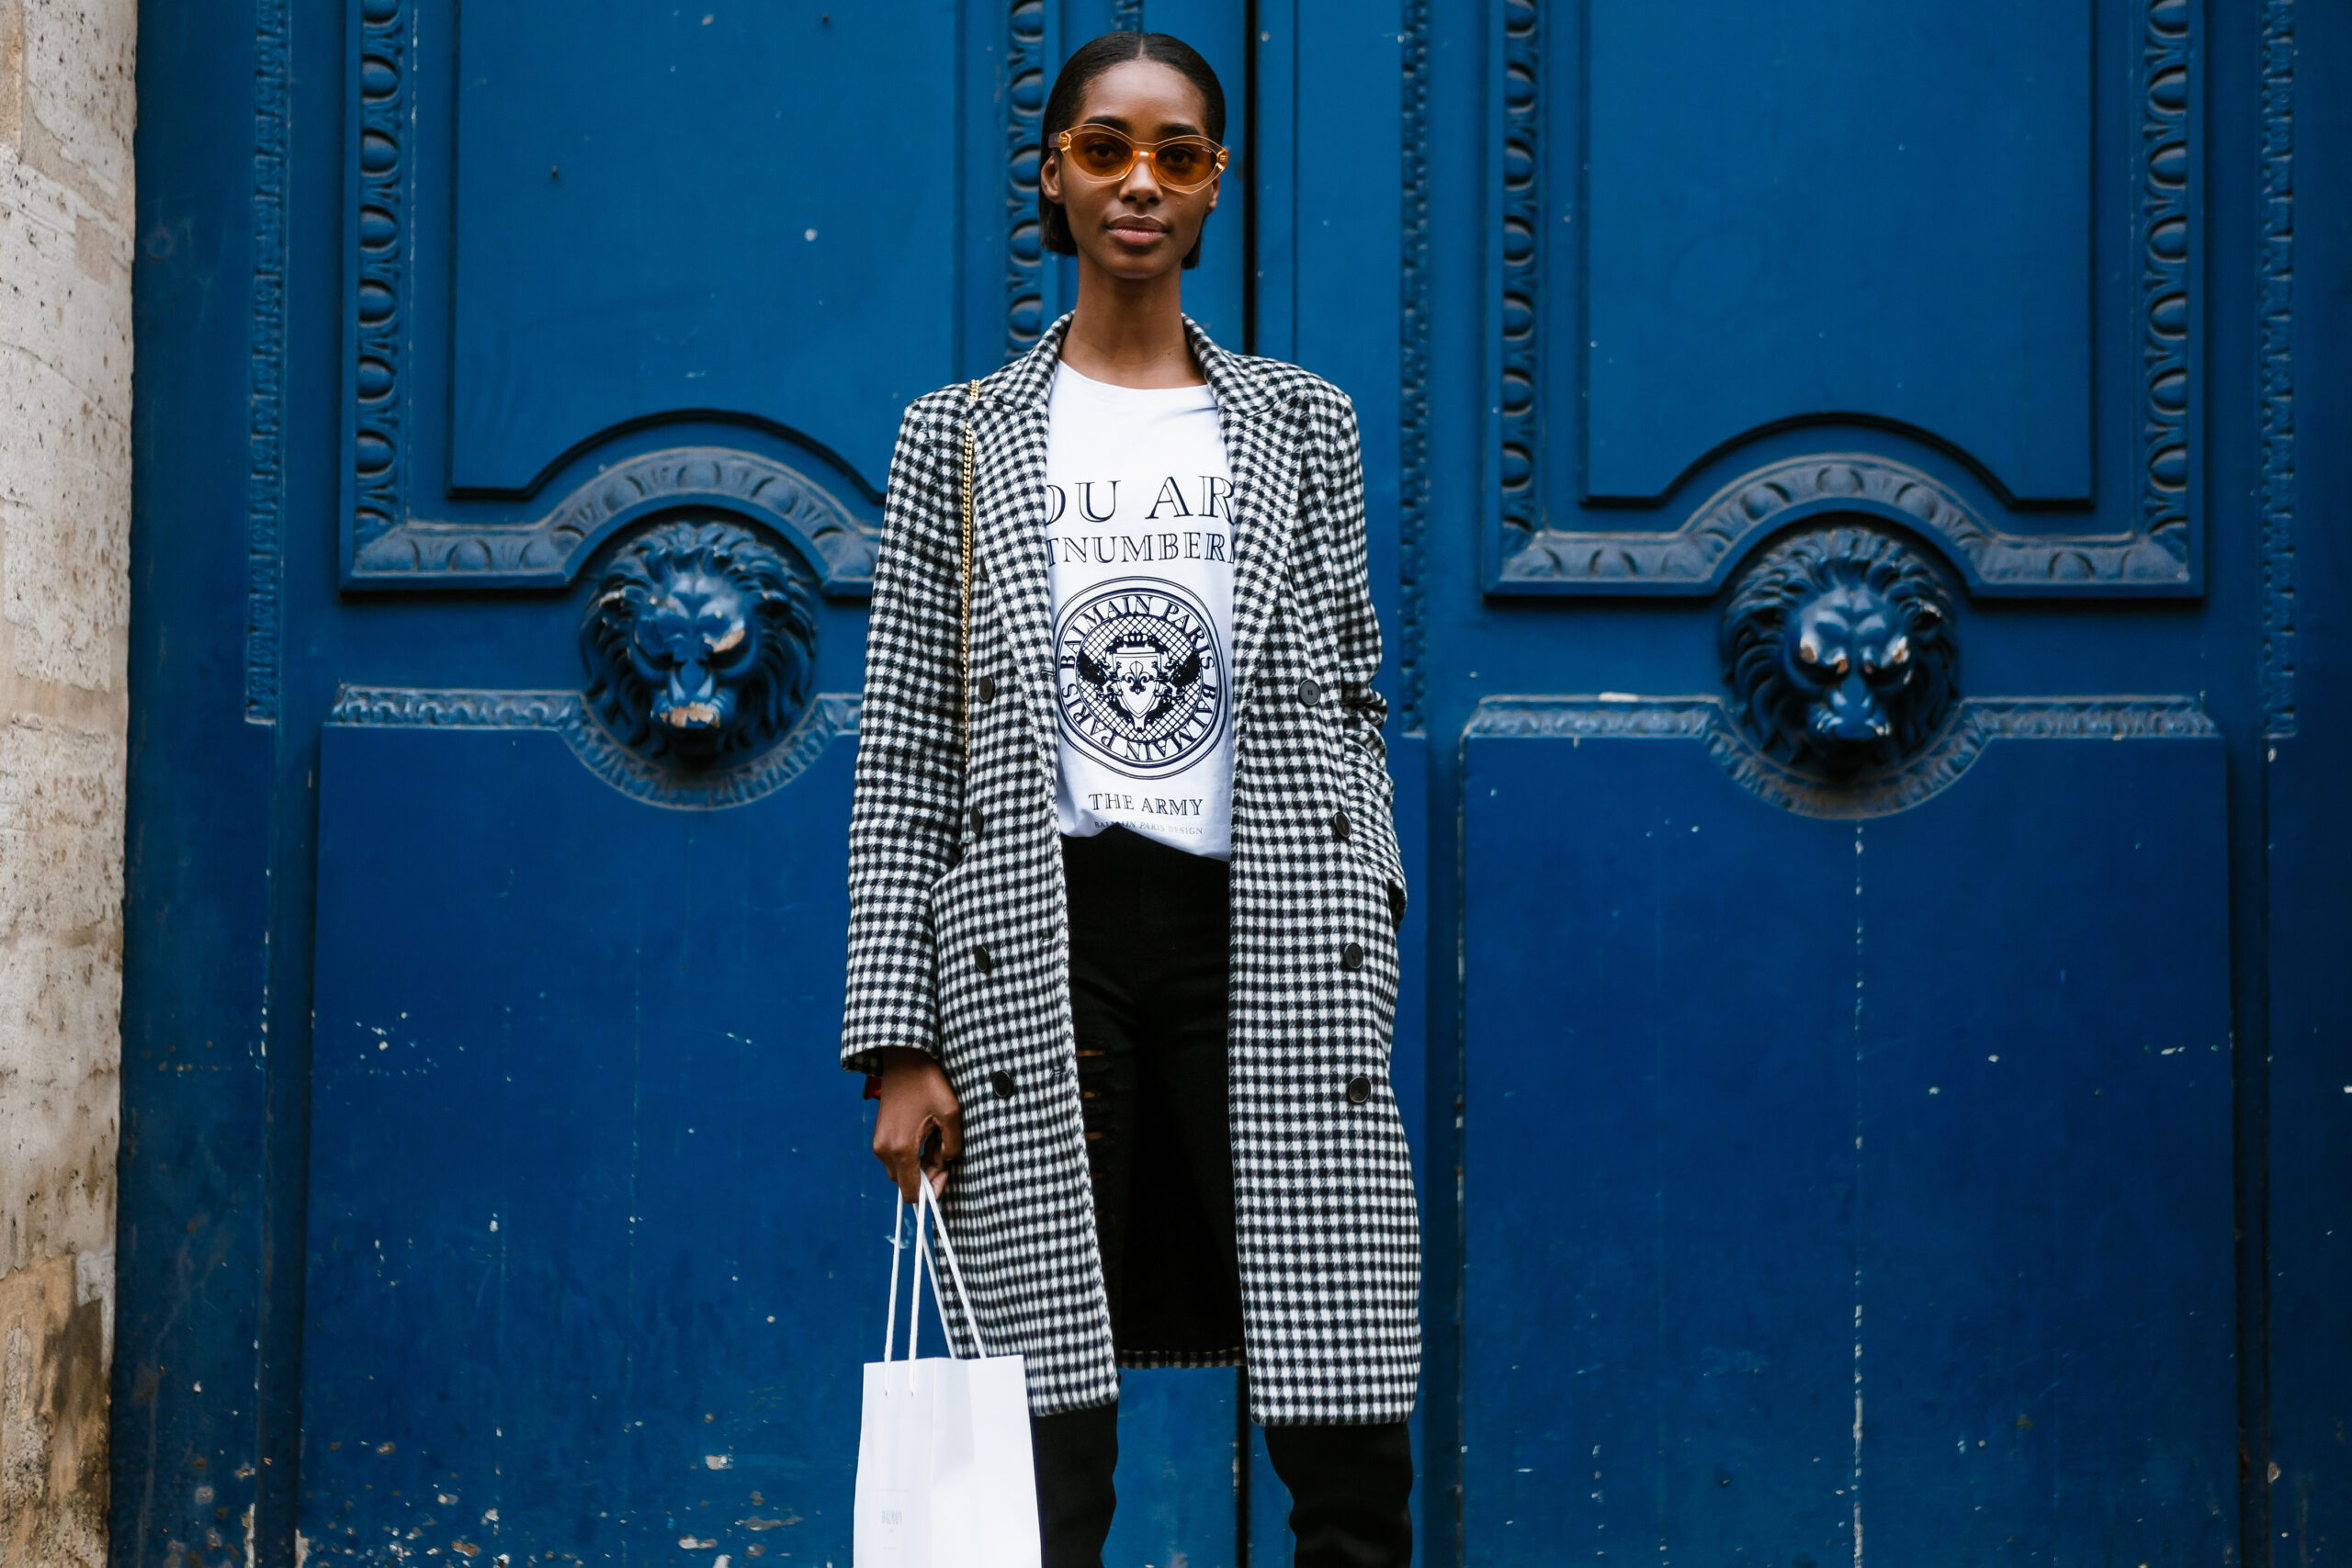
{"points": [[1138, 233]]}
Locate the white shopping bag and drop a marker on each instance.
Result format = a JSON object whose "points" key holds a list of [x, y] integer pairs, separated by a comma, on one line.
{"points": [[944, 1477]]}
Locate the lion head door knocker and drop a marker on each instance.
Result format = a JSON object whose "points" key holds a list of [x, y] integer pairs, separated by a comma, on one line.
{"points": [[1837, 646], [700, 645]]}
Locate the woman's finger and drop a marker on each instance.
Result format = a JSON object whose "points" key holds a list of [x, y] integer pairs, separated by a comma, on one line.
{"points": [[943, 1140], [903, 1169], [900, 1161]]}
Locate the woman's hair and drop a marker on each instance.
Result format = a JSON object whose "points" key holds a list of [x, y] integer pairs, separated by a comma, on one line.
{"points": [[1091, 61]]}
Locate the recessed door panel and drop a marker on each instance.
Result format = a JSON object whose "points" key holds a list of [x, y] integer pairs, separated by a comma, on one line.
{"points": [[594, 1253], [664, 209], [590, 253], [2046, 1124], [1658, 1181], [1847, 1140], [1796, 210], [1952, 248]]}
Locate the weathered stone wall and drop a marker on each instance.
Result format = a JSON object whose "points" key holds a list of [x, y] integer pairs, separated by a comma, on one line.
{"points": [[66, 111]]}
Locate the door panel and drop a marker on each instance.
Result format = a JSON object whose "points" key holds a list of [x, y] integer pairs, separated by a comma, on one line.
{"points": [[613, 275], [2010, 1208], [1931, 239], [627, 179], [1833, 768], [1945, 286], [1688, 1277], [593, 1256], [1856, 1131], [532, 358]]}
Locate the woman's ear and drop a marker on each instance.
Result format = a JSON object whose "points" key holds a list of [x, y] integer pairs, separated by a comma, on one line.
{"points": [[1049, 177]]}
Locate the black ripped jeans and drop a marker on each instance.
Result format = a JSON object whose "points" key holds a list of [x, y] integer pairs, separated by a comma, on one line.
{"points": [[1148, 944]]}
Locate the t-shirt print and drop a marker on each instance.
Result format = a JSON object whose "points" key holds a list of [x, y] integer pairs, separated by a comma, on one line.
{"points": [[1141, 675], [1139, 525]]}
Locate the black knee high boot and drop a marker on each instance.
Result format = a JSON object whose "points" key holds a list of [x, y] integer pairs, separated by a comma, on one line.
{"points": [[1075, 1456], [1352, 1492]]}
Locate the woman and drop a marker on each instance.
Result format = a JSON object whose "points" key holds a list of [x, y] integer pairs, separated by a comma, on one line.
{"points": [[1123, 902]]}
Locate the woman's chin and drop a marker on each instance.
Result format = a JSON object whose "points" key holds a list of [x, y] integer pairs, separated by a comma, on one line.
{"points": [[1133, 263]]}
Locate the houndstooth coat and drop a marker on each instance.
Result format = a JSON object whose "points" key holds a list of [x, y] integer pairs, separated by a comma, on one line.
{"points": [[959, 937]]}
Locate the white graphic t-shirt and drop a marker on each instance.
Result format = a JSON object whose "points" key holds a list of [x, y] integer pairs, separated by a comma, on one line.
{"points": [[1139, 520]]}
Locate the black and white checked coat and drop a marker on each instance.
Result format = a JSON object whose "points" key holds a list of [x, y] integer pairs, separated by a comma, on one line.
{"points": [[959, 937]]}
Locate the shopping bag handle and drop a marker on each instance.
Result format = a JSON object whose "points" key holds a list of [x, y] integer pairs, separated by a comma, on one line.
{"points": [[925, 1204], [915, 1298], [955, 1272]]}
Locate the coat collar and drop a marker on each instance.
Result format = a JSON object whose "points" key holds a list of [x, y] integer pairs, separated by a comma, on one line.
{"points": [[1243, 390], [1009, 506]]}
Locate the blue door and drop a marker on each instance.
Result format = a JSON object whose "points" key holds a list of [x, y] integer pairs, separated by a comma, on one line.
{"points": [[1810, 621], [1834, 510], [593, 1250]]}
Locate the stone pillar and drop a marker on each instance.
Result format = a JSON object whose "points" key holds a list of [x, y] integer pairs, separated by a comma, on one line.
{"points": [[66, 112]]}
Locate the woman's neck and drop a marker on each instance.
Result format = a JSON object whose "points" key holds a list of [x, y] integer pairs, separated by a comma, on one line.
{"points": [[1130, 331]]}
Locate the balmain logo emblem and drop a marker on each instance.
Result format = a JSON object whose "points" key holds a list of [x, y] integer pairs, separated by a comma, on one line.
{"points": [[1140, 676]]}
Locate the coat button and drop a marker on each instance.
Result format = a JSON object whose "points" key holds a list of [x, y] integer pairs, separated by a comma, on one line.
{"points": [[1310, 693], [982, 961], [988, 688], [1359, 1090], [1350, 957], [1397, 905], [978, 822], [1001, 1081], [1339, 826]]}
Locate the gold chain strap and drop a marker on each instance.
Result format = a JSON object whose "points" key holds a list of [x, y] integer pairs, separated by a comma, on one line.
{"points": [[964, 660]]}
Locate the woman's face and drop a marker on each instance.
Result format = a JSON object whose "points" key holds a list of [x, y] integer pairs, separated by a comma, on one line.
{"points": [[1135, 228]]}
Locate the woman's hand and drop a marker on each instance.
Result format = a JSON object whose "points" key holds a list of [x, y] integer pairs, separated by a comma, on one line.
{"points": [[920, 1125]]}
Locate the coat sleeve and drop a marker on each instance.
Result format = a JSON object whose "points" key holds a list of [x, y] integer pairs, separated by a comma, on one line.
{"points": [[1363, 710], [909, 778]]}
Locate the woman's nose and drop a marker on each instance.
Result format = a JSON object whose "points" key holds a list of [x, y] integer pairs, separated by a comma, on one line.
{"points": [[1142, 180]]}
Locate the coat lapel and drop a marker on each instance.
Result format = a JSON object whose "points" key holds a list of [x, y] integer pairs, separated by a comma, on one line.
{"points": [[1008, 522], [1261, 447], [1009, 508]]}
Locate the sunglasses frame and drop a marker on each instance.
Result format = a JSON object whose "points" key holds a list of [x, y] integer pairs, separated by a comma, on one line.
{"points": [[1141, 152]]}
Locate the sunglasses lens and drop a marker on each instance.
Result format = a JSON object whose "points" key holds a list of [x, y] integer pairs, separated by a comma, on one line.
{"points": [[1101, 153], [1185, 163]]}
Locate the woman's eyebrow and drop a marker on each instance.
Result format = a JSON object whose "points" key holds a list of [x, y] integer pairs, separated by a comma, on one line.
{"points": [[1168, 128]]}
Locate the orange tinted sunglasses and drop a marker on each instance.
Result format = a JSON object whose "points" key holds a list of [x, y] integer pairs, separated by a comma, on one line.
{"points": [[1181, 163]]}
